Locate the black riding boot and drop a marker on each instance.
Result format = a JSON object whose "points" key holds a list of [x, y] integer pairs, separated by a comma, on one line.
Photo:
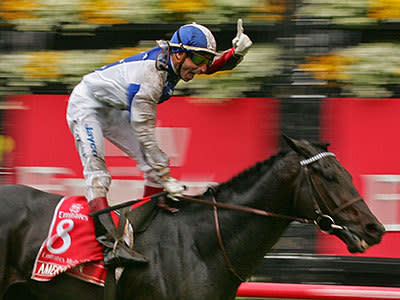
{"points": [[115, 253]]}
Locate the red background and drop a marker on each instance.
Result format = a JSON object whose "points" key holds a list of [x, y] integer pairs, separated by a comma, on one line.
{"points": [[226, 138], [364, 134]]}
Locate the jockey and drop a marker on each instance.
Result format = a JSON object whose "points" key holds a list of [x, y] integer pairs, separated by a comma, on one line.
{"points": [[119, 102]]}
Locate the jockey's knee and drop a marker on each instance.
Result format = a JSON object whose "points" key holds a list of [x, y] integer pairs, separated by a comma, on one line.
{"points": [[97, 178], [97, 185]]}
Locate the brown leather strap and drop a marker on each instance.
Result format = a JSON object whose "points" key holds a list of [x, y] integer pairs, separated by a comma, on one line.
{"points": [[347, 204], [316, 189], [221, 243], [244, 209]]}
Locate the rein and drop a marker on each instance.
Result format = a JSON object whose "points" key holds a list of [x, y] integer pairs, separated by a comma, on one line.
{"points": [[247, 209]]}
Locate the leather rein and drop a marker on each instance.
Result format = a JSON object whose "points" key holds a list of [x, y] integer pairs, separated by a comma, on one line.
{"points": [[323, 221]]}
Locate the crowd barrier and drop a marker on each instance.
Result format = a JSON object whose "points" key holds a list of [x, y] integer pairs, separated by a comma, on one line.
{"points": [[313, 291]]}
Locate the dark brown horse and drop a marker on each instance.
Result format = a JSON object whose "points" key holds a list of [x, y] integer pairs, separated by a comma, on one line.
{"points": [[186, 260]]}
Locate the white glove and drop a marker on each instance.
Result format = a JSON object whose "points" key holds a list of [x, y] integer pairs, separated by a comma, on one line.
{"points": [[241, 43], [172, 186]]}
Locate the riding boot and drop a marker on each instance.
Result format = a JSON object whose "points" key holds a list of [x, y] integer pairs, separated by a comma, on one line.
{"points": [[116, 252]]}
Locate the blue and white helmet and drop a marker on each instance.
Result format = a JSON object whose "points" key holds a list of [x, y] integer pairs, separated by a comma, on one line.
{"points": [[193, 37]]}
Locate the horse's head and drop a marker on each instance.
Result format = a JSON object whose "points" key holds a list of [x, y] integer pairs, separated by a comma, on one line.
{"points": [[326, 194]]}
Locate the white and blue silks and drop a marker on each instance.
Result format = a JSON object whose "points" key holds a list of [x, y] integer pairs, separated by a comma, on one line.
{"points": [[119, 102]]}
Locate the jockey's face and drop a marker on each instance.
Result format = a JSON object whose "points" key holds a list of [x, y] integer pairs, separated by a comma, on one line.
{"points": [[188, 69]]}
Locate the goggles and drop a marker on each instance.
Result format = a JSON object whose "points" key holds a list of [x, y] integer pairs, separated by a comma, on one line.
{"points": [[199, 59]]}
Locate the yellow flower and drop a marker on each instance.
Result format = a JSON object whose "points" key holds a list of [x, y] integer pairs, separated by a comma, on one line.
{"points": [[7, 145], [101, 12], [384, 9], [187, 6], [43, 64], [270, 10], [17, 9], [331, 67], [398, 72]]}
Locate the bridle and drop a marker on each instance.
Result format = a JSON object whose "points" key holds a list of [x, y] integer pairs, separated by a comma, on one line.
{"points": [[324, 222]]}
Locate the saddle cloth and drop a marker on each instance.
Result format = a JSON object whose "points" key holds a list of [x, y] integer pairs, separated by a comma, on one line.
{"points": [[71, 245]]}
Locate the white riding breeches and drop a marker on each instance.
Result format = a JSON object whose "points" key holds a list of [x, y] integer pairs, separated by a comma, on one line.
{"points": [[90, 121]]}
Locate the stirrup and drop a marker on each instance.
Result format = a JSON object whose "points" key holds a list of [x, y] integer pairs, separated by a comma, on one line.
{"points": [[119, 254]]}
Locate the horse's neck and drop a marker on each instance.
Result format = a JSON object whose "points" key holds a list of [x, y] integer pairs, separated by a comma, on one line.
{"points": [[248, 237], [188, 247]]}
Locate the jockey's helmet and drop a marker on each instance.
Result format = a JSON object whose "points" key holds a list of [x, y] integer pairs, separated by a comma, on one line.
{"points": [[193, 37]]}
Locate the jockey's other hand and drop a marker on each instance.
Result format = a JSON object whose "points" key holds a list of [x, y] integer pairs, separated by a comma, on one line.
{"points": [[241, 43], [172, 186]]}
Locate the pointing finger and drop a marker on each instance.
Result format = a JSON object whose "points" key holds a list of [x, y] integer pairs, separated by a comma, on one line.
{"points": [[239, 27]]}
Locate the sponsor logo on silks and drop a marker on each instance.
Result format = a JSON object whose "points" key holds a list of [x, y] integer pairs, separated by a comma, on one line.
{"points": [[71, 215], [76, 208], [90, 138], [48, 269], [74, 213]]}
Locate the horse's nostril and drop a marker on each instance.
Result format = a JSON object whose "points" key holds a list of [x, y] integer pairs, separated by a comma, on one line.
{"points": [[373, 228]]}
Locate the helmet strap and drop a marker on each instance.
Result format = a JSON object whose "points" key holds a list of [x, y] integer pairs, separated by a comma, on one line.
{"points": [[180, 62]]}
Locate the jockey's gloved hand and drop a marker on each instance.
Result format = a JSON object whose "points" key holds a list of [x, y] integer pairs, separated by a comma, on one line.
{"points": [[241, 43], [174, 188]]}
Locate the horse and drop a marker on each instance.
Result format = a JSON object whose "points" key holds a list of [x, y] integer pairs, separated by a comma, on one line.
{"points": [[203, 252]]}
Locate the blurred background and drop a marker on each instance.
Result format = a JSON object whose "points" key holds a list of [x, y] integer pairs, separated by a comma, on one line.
{"points": [[322, 70], [345, 47]]}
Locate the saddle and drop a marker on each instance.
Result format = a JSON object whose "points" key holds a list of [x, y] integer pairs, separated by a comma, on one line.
{"points": [[141, 217]]}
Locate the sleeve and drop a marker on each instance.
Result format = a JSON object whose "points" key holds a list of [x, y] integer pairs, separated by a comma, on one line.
{"points": [[143, 119], [227, 61]]}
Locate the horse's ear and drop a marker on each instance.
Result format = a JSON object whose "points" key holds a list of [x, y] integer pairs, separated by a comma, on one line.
{"points": [[292, 143], [295, 145]]}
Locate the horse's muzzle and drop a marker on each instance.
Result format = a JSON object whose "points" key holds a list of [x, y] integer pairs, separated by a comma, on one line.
{"points": [[354, 242]]}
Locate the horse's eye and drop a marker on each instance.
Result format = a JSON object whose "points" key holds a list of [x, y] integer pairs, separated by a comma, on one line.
{"points": [[331, 176]]}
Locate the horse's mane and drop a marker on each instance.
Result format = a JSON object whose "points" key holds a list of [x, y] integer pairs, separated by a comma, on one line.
{"points": [[251, 174]]}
